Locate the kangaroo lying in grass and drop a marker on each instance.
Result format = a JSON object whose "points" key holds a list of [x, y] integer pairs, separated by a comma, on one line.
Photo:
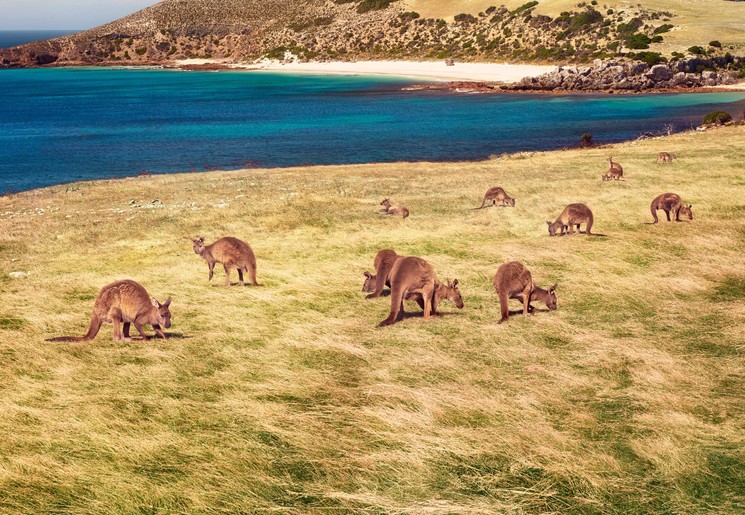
{"points": [[514, 281], [412, 278], [232, 253], [389, 209], [496, 194], [614, 172], [573, 214], [128, 302], [383, 263], [665, 157], [670, 202]]}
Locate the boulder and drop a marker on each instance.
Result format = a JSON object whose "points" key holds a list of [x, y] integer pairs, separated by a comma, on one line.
{"points": [[659, 73]]}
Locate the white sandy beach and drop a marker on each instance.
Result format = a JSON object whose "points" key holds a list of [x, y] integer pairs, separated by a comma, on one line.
{"points": [[428, 70]]}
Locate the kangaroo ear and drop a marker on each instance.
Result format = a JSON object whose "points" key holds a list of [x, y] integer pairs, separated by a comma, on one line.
{"points": [[368, 274], [455, 283], [167, 302], [201, 238], [155, 302], [690, 206], [549, 223], [553, 288]]}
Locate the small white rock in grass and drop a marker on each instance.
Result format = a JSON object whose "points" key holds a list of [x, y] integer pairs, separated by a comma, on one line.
{"points": [[19, 275]]}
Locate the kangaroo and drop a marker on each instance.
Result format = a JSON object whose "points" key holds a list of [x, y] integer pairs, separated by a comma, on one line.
{"points": [[412, 278], [666, 157], [383, 264], [496, 194], [232, 253], [614, 172], [514, 281], [125, 301], [573, 214], [670, 202], [389, 209]]}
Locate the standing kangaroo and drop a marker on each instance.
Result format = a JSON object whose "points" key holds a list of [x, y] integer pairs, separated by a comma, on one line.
{"points": [[665, 157], [389, 209], [614, 172], [412, 278], [125, 301], [514, 281], [670, 202], [383, 263], [573, 214], [496, 194], [232, 253]]}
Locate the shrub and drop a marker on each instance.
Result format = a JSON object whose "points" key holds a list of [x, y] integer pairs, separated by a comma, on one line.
{"points": [[651, 58], [140, 50], [465, 18], [373, 5], [584, 20], [696, 50], [408, 16], [663, 28], [657, 39], [715, 44], [586, 139], [717, 118], [637, 41], [525, 7]]}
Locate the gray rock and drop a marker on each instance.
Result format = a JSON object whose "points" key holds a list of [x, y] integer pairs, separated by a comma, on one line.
{"points": [[659, 73]]}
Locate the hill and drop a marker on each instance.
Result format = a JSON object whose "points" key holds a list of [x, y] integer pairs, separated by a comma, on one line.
{"points": [[547, 31], [286, 397]]}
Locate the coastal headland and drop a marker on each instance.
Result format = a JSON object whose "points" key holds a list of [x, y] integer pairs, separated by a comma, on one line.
{"points": [[628, 398]]}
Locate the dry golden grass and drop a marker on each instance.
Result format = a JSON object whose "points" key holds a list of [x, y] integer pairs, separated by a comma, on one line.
{"points": [[287, 397], [697, 21]]}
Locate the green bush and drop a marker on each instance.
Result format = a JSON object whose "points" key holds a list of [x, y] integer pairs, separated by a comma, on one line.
{"points": [[715, 44], [651, 58], [525, 7], [663, 28], [638, 41], [140, 50], [465, 18], [717, 118], [696, 50], [373, 5]]}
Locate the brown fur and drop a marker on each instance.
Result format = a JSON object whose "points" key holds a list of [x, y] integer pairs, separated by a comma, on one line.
{"points": [[573, 214], [615, 172], [389, 209], [232, 253], [412, 278], [128, 302], [496, 194], [383, 263], [670, 202], [514, 281], [665, 157]]}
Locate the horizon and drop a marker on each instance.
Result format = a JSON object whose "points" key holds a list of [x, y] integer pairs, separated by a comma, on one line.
{"points": [[43, 15]]}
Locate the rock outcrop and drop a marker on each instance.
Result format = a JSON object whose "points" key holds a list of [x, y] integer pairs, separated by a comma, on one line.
{"points": [[634, 76]]}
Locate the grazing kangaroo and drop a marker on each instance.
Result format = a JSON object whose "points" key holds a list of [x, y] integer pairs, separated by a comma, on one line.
{"points": [[514, 281], [389, 209], [383, 263], [496, 194], [128, 302], [614, 172], [412, 278], [573, 214], [670, 202], [666, 157], [232, 253]]}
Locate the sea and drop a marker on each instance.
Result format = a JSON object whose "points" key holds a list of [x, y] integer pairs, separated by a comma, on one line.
{"points": [[9, 38], [59, 125]]}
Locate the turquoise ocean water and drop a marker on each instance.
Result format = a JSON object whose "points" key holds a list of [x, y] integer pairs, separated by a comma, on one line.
{"points": [[62, 125]]}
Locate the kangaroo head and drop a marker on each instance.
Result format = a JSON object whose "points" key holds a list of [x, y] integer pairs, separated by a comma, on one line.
{"points": [[386, 202], [453, 294], [551, 229], [687, 211], [511, 202], [163, 314], [198, 244], [369, 285], [551, 300]]}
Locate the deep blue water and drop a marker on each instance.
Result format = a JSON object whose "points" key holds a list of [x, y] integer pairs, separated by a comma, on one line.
{"points": [[61, 125], [9, 38]]}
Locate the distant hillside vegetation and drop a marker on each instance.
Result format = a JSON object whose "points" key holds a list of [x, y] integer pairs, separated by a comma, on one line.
{"points": [[241, 30]]}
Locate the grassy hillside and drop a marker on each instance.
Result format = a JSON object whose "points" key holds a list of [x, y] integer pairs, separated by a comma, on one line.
{"points": [[697, 22], [628, 398]]}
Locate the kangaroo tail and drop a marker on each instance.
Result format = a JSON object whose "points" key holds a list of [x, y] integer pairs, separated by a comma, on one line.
{"points": [[406, 213], [396, 297], [92, 332], [483, 203], [653, 209], [588, 227], [503, 307]]}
